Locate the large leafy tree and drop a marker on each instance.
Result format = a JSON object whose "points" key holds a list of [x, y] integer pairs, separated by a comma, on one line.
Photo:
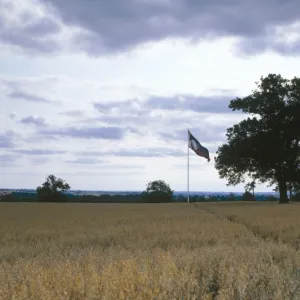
{"points": [[266, 145], [158, 191], [52, 190]]}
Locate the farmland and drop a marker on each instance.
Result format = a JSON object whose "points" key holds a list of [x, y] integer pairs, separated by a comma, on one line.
{"points": [[149, 251]]}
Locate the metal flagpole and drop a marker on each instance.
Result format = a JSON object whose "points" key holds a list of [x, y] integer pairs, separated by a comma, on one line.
{"points": [[188, 169]]}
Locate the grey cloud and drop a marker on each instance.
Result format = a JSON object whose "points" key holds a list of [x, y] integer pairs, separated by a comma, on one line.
{"points": [[111, 105], [28, 31], [38, 151], [205, 133], [201, 104], [42, 27], [39, 160], [7, 157], [120, 25], [148, 152], [7, 160], [157, 152], [28, 97], [22, 174], [118, 167], [84, 161], [73, 113], [29, 43], [192, 166], [125, 107], [170, 117], [260, 44], [93, 160], [114, 26], [108, 133], [37, 121], [7, 140], [12, 115], [97, 174]]}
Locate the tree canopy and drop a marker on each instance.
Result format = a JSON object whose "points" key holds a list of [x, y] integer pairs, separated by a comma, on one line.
{"points": [[158, 191], [52, 189], [266, 145]]}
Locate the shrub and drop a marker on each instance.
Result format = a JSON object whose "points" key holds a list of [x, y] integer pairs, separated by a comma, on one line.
{"points": [[247, 196], [158, 191]]}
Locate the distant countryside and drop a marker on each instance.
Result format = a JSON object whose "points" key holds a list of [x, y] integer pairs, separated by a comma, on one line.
{"points": [[136, 196], [149, 150]]}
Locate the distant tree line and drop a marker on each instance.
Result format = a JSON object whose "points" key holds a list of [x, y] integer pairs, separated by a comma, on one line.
{"points": [[56, 190], [136, 198]]}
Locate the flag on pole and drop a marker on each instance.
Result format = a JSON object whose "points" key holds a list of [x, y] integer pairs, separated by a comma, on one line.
{"points": [[197, 147]]}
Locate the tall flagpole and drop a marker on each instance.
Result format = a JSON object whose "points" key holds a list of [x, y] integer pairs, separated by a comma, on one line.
{"points": [[188, 169]]}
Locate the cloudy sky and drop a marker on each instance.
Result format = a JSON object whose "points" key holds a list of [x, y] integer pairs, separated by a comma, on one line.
{"points": [[101, 93]]}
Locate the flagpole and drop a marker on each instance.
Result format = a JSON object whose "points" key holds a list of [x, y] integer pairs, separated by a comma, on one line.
{"points": [[188, 169]]}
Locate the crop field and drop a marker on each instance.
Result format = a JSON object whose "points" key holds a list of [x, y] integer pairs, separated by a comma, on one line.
{"points": [[150, 251]]}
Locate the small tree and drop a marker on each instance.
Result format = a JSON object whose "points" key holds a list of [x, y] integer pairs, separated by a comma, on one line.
{"points": [[247, 196], [231, 197], [158, 191], [52, 190], [250, 187]]}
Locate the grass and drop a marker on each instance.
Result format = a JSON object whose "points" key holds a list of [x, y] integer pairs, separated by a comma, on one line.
{"points": [[143, 251]]}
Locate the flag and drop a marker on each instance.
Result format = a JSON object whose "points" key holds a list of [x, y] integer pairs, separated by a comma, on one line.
{"points": [[197, 147]]}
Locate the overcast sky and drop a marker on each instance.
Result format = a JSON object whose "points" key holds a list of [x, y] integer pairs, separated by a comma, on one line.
{"points": [[101, 93]]}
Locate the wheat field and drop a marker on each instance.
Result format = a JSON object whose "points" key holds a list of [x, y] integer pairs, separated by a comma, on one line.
{"points": [[149, 251]]}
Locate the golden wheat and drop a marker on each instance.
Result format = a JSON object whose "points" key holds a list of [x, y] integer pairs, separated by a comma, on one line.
{"points": [[144, 251], [268, 220]]}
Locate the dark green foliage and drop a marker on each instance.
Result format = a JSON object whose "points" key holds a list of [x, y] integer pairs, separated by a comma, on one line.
{"points": [[106, 198], [231, 197], [271, 198], [19, 197], [249, 187], [52, 190], [157, 191], [266, 145], [181, 198], [247, 196], [194, 199], [296, 197]]}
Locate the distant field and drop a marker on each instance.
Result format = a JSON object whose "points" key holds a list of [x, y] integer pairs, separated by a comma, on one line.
{"points": [[150, 251]]}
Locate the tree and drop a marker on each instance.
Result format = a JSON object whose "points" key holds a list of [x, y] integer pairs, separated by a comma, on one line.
{"points": [[158, 191], [247, 196], [266, 145], [250, 186], [231, 197], [52, 190]]}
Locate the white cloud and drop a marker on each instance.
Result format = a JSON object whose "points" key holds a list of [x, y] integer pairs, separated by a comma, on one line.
{"points": [[70, 83]]}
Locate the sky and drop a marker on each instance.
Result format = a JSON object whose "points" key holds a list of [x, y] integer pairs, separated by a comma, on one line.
{"points": [[101, 93]]}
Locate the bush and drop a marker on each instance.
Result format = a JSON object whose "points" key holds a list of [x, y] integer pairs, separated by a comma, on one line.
{"points": [[296, 197], [247, 196], [231, 197], [157, 191], [271, 198]]}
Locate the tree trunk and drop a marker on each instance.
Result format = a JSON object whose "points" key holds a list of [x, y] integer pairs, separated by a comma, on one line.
{"points": [[283, 198]]}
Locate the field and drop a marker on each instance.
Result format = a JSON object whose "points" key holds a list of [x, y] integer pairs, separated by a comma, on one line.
{"points": [[150, 251]]}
